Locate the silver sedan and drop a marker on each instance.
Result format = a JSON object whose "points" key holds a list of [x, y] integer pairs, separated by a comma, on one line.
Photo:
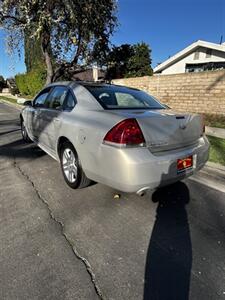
{"points": [[115, 135]]}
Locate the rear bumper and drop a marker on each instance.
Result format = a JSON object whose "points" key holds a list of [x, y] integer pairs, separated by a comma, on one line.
{"points": [[132, 169]]}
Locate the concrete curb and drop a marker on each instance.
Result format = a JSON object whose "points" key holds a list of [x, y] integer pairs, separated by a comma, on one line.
{"points": [[216, 166], [212, 175], [217, 132], [215, 171], [209, 182]]}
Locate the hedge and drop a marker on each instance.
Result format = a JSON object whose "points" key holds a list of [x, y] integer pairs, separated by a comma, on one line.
{"points": [[31, 83]]}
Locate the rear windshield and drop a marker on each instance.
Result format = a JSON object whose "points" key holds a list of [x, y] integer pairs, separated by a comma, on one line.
{"points": [[116, 97]]}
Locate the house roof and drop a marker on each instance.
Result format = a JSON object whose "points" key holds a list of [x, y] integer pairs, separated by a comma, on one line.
{"points": [[187, 51]]}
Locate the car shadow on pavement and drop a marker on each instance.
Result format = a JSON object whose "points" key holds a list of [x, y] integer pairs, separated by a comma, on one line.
{"points": [[20, 149], [169, 257], [10, 122]]}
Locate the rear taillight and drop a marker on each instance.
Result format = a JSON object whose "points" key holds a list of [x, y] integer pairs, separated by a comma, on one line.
{"points": [[126, 133]]}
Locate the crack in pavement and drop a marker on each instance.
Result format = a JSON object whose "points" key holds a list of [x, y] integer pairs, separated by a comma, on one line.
{"points": [[74, 249]]}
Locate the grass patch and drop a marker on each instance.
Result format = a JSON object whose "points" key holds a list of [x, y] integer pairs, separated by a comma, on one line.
{"points": [[213, 120], [217, 150], [12, 100]]}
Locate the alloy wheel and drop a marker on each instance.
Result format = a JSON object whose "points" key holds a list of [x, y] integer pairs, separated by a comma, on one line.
{"points": [[69, 165]]}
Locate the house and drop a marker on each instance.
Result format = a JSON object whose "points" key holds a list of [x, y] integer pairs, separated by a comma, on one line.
{"points": [[199, 56], [89, 74], [10, 87], [11, 83], [7, 85]]}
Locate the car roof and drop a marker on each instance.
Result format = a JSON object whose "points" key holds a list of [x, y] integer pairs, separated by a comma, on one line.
{"points": [[64, 83], [93, 83], [84, 83], [73, 84]]}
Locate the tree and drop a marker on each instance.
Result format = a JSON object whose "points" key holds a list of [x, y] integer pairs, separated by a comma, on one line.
{"points": [[117, 60], [128, 61], [140, 63], [32, 52], [2, 82], [68, 30]]}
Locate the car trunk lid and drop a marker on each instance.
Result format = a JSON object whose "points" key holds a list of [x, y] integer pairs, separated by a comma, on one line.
{"points": [[165, 129]]}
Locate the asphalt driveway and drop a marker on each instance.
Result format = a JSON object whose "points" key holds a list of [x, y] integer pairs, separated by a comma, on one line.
{"points": [[59, 243]]}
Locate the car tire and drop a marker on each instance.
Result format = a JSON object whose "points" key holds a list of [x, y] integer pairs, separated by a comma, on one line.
{"points": [[24, 133], [71, 167]]}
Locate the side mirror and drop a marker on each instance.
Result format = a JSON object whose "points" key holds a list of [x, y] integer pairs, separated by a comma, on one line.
{"points": [[27, 103]]}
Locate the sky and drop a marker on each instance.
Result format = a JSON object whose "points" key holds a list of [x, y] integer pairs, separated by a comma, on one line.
{"points": [[167, 26]]}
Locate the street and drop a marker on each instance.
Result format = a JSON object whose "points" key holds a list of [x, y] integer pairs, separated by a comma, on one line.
{"points": [[59, 243]]}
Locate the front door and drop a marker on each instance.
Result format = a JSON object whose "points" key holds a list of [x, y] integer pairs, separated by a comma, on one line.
{"points": [[51, 116], [35, 123]]}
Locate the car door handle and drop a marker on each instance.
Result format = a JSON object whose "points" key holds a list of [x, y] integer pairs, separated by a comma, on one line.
{"points": [[56, 120]]}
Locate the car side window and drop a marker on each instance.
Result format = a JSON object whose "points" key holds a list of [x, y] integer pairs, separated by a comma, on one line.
{"points": [[57, 98], [107, 98], [70, 102], [41, 98]]}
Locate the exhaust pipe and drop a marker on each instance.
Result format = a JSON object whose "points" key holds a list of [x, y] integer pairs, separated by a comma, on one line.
{"points": [[142, 191]]}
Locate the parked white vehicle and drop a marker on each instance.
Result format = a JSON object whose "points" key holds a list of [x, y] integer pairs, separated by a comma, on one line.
{"points": [[119, 136]]}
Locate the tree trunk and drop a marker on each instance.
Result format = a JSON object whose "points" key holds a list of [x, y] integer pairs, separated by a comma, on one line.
{"points": [[49, 67], [46, 49]]}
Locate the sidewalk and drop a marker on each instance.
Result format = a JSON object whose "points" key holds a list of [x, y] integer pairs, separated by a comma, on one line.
{"points": [[212, 175], [19, 100], [8, 95]]}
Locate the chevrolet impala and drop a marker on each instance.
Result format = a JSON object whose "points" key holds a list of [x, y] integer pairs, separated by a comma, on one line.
{"points": [[119, 136]]}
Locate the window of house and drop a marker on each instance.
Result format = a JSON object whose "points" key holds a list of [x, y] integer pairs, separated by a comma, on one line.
{"points": [[207, 66], [208, 53]]}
